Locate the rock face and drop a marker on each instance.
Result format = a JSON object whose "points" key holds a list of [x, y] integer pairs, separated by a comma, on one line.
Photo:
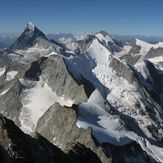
{"points": [[10, 102], [135, 48], [55, 72], [32, 37], [111, 44], [155, 76], [62, 130], [129, 153], [34, 71], [122, 69], [83, 45], [130, 59], [10, 91], [154, 53], [52, 71], [17, 147], [3, 57]]}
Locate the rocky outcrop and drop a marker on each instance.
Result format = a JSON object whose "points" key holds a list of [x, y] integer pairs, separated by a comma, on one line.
{"points": [[4, 57], [155, 76], [55, 72], [10, 102], [154, 53], [130, 59], [131, 152], [34, 71], [58, 125], [83, 45], [52, 70], [32, 37], [121, 69], [135, 48], [17, 147], [10, 91], [107, 41]]}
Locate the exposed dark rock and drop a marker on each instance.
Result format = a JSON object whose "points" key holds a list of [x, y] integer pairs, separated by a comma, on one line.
{"points": [[154, 53], [80, 152], [112, 46], [83, 45], [58, 125], [131, 152], [130, 59], [155, 76], [55, 72], [34, 71], [17, 147], [135, 48], [33, 36], [10, 102], [122, 69], [63, 132], [28, 38]]}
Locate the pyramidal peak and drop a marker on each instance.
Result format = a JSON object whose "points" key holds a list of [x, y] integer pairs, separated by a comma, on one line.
{"points": [[30, 26]]}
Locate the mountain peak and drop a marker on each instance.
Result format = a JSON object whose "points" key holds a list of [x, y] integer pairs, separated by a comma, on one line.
{"points": [[104, 36], [104, 33], [29, 38], [30, 26]]}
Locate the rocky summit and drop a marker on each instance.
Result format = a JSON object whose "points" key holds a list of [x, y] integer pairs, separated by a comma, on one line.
{"points": [[85, 99]]}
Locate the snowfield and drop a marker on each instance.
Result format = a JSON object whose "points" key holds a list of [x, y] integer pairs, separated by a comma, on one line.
{"points": [[124, 50], [108, 128], [106, 38], [36, 99], [145, 47], [115, 118]]}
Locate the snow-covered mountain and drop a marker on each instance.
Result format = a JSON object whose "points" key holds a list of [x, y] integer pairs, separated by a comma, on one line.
{"points": [[92, 91], [31, 37], [31, 45]]}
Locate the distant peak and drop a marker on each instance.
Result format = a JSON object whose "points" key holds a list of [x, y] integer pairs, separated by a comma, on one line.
{"points": [[104, 33], [30, 26], [104, 36]]}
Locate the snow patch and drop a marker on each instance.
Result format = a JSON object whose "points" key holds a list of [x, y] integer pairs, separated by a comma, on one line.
{"points": [[95, 114], [36, 99], [30, 26], [157, 61], [4, 92], [105, 38], [141, 67], [145, 47], [98, 52], [124, 50], [2, 70], [11, 75]]}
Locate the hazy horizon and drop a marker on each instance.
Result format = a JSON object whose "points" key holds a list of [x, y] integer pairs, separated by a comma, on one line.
{"points": [[8, 33], [114, 16]]}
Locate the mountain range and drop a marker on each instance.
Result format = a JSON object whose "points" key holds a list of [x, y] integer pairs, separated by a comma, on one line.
{"points": [[7, 39], [84, 98]]}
